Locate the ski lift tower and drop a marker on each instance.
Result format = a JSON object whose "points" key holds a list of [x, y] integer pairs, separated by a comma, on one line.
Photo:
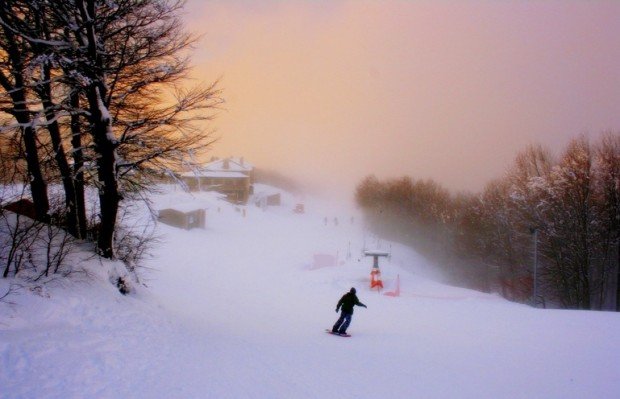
{"points": [[375, 274]]}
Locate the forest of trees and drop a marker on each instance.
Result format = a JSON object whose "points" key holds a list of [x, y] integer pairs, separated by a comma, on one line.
{"points": [[550, 224], [94, 96]]}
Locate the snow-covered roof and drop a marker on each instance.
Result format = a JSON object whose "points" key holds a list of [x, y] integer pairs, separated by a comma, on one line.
{"points": [[183, 207], [220, 175], [232, 164]]}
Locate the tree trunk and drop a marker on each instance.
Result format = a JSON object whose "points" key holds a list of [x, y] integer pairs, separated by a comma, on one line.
{"points": [[105, 146], [59, 154], [78, 165], [38, 186], [101, 130], [109, 197]]}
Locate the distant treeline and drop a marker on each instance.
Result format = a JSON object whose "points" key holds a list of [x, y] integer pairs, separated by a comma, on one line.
{"points": [[560, 213]]}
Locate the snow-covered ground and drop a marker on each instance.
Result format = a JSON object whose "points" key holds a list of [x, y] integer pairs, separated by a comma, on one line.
{"points": [[238, 310]]}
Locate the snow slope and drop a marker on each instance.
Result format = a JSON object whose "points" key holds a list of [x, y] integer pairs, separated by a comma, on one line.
{"points": [[237, 310]]}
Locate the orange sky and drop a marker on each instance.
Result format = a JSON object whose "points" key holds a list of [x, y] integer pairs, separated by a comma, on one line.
{"points": [[331, 91]]}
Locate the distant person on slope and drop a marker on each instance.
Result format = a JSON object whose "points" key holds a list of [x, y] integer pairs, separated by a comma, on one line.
{"points": [[347, 302]]}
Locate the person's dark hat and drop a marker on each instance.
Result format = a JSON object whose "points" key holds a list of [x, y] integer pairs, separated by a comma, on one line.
{"points": [[352, 290]]}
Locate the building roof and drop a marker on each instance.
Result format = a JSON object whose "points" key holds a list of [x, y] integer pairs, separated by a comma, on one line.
{"points": [[230, 164], [182, 207], [231, 167], [219, 175]]}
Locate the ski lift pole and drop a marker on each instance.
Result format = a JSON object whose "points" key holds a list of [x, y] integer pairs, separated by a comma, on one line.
{"points": [[375, 274]]}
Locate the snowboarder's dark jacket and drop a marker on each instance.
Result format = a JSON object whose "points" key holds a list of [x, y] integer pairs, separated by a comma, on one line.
{"points": [[347, 302]]}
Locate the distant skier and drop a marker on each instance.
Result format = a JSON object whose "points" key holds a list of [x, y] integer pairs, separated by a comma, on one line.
{"points": [[347, 302]]}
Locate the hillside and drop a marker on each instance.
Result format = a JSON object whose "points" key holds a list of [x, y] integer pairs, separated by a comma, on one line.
{"points": [[237, 310]]}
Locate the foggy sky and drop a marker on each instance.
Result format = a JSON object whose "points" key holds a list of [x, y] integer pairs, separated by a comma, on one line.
{"points": [[331, 91]]}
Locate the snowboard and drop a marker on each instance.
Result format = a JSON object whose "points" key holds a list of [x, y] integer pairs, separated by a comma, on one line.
{"points": [[329, 331]]}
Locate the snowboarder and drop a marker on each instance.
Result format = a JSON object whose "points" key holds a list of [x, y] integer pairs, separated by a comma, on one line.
{"points": [[347, 302]]}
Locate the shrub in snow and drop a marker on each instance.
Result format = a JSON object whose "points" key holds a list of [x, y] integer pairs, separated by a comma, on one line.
{"points": [[31, 249]]}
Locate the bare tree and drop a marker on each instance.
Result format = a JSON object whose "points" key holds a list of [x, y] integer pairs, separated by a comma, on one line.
{"points": [[608, 193], [131, 51], [572, 210], [15, 55]]}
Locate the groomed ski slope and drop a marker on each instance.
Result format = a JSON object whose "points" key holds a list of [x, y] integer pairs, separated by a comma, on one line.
{"points": [[237, 311]]}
